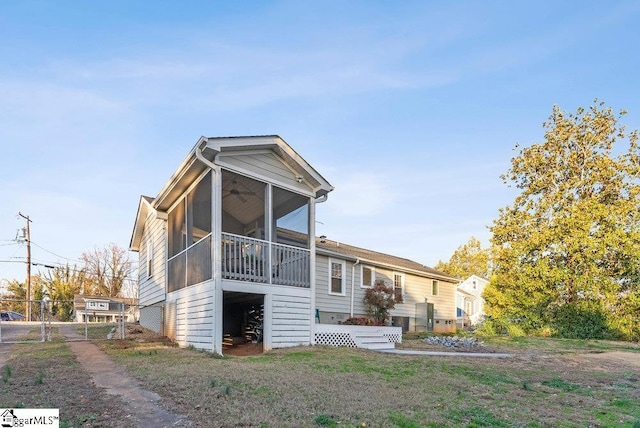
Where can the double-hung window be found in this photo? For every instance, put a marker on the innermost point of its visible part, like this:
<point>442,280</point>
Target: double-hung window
<point>337,277</point>
<point>434,287</point>
<point>149,258</point>
<point>367,276</point>
<point>398,285</point>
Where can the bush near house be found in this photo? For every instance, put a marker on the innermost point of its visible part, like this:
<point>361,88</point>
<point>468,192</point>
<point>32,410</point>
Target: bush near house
<point>362,321</point>
<point>379,300</point>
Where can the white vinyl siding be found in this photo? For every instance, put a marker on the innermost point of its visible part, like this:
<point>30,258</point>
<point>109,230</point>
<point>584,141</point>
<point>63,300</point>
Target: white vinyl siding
<point>290,320</point>
<point>263,166</point>
<point>194,316</point>
<point>337,281</point>
<point>417,288</point>
<point>367,276</point>
<point>152,287</point>
<point>327,302</point>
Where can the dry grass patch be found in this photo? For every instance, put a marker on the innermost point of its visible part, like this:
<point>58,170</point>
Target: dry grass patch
<point>46,375</point>
<point>325,386</point>
<point>551,383</point>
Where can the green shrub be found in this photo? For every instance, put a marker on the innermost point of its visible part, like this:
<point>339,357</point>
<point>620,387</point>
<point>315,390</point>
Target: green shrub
<point>362,321</point>
<point>514,330</point>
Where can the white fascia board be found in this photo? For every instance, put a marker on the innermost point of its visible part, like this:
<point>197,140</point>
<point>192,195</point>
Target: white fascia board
<point>222,145</point>
<point>136,236</point>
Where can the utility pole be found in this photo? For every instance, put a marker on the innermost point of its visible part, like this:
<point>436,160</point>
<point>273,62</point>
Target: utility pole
<point>28,241</point>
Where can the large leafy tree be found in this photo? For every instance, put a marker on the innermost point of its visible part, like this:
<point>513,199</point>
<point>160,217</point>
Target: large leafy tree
<point>62,283</point>
<point>468,259</point>
<point>566,253</point>
<point>16,293</point>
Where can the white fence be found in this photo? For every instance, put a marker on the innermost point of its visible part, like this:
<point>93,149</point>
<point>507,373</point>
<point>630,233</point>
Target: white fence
<point>354,336</point>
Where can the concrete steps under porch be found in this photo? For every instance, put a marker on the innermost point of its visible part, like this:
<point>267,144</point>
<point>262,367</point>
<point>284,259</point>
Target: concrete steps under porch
<point>373,340</point>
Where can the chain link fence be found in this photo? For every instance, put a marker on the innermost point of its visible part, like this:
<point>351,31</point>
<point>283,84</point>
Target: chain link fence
<point>80,319</point>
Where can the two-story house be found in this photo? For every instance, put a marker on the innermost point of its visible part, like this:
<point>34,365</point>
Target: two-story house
<point>227,250</point>
<point>232,230</point>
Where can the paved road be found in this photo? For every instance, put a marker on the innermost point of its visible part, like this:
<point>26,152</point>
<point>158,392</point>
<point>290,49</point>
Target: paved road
<point>13,331</point>
<point>446,354</point>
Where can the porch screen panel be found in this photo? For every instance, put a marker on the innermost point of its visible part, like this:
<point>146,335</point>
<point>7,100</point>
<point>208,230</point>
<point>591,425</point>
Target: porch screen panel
<point>199,262</point>
<point>199,211</point>
<point>176,274</point>
<point>291,216</point>
<point>177,230</point>
<point>243,205</point>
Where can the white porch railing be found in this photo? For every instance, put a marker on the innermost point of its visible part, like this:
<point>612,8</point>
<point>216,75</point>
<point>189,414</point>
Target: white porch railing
<point>256,260</point>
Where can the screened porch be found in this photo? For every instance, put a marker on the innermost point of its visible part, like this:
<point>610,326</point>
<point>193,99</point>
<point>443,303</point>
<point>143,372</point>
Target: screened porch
<point>264,234</point>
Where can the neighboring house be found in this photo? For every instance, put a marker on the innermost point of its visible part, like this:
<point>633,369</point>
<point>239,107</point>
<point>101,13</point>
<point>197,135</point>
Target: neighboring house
<point>469,301</point>
<point>344,272</point>
<point>230,234</point>
<point>103,309</point>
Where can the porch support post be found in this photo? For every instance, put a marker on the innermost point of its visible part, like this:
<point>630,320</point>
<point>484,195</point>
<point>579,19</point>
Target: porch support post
<point>270,234</point>
<point>312,270</point>
<point>216,258</point>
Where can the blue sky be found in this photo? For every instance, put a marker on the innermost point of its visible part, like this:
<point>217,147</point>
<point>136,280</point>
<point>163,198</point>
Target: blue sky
<point>410,109</point>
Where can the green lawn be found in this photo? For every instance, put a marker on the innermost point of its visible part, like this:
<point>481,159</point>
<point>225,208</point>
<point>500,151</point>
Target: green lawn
<point>560,383</point>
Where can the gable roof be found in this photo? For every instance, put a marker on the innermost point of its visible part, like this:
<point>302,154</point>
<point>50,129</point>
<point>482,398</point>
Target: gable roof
<point>335,248</point>
<point>210,147</point>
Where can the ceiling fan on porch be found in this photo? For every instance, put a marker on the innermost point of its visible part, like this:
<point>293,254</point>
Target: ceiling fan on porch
<point>235,191</point>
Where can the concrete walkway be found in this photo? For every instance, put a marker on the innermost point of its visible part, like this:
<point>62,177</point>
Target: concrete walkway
<point>447,354</point>
<point>141,406</point>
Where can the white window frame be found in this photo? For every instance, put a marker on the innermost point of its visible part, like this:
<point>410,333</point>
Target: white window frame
<point>435,285</point>
<point>402,280</point>
<point>343,264</point>
<point>97,305</point>
<point>373,276</point>
<point>149,258</point>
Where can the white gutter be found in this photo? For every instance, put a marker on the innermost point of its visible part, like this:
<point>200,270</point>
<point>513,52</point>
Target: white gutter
<point>322,198</point>
<point>353,282</point>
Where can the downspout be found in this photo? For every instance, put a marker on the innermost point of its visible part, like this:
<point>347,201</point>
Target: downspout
<point>216,237</point>
<point>322,198</point>
<point>312,268</point>
<point>353,284</point>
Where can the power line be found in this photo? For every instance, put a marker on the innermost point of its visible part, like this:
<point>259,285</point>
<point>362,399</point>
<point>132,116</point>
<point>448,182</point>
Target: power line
<point>51,252</point>
<point>56,265</point>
